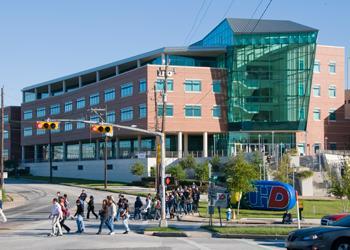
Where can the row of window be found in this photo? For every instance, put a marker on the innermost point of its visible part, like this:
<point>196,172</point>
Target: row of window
<point>332,91</point>
<point>331,114</point>
<point>331,67</point>
<point>127,114</point>
<point>125,90</point>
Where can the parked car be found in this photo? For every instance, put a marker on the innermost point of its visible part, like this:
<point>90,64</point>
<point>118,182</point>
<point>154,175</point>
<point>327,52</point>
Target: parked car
<point>330,219</point>
<point>334,237</point>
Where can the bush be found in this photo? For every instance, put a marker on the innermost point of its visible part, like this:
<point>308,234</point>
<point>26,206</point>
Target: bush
<point>216,163</point>
<point>138,169</point>
<point>202,172</point>
<point>304,174</point>
<point>188,163</point>
<point>177,172</point>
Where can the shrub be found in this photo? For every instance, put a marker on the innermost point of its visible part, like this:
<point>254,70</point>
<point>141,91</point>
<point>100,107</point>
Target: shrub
<point>188,163</point>
<point>138,169</point>
<point>216,163</point>
<point>177,172</point>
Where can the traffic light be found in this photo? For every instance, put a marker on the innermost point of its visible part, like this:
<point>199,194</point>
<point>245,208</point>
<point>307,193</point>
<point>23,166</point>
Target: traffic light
<point>47,125</point>
<point>102,128</point>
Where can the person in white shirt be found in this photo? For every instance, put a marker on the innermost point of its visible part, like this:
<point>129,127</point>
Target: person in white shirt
<point>2,215</point>
<point>56,215</point>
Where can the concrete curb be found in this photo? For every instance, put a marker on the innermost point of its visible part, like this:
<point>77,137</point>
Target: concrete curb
<point>249,236</point>
<point>165,234</point>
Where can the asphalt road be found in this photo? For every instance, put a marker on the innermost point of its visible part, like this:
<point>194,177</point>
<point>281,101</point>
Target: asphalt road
<point>28,226</point>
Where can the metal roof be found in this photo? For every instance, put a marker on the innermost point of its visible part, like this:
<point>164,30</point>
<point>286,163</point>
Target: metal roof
<point>145,56</point>
<point>248,26</point>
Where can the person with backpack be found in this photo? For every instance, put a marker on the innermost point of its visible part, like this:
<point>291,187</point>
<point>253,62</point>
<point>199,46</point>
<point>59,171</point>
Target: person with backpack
<point>65,215</point>
<point>91,208</point>
<point>2,215</point>
<point>79,215</point>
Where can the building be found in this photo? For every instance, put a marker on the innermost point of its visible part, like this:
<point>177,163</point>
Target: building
<point>244,86</point>
<point>326,124</point>
<point>12,134</point>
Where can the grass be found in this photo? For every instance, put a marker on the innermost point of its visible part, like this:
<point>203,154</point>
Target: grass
<point>313,209</point>
<point>162,229</point>
<point>251,230</point>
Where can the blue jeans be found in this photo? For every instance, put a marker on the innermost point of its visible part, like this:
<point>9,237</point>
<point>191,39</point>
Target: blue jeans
<point>117,217</point>
<point>110,223</point>
<point>80,224</point>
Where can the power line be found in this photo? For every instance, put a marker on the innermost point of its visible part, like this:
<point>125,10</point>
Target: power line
<point>252,15</point>
<point>195,21</point>
<point>267,6</point>
<point>201,20</point>
<point>228,9</point>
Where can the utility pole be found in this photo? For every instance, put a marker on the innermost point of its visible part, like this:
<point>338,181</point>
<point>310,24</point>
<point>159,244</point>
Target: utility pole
<point>2,141</point>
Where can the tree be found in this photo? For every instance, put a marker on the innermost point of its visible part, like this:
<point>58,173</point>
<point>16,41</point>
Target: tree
<point>177,172</point>
<point>257,161</point>
<point>216,163</point>
<point>202,172</point>
<point>188,163</point>
<point>340,185</point>
<point>284,171</point>
<point>138,169</point>
<point>240,176</point>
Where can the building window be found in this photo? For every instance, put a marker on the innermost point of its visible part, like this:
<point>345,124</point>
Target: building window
<point>193,86</point>
<point>81,125</point>
<point>6,118</point>
<point>126,114</point>
<point>193,111</point>
<point>88,150</point>
<point>216,111</point>
<point>94,99</point>
<point>332,91</point>
<point>332,146</point>
<point>332,115</point>
<point>316,90</point>
<point>68,106</point>
<point>160,85</point>
<point>40,131</point>
<point>80,167</point>
<point>216,86</point>
<point>55,109</point>
<point>5,154</point>
<point>109,166</point>
<point>301,64</point>
<point>302,114</point>
<point>301,91</point>
<point>317,114</point>
<point>168,112</point>
<point>109,95</point>
<point>110,117</point>
<point>73,151</point>
<point>95,118</point>
<point>142,111</point>
<point>28,114</point>
<point>126,90</point>
<point>27,131</point>
<point>332,68</point>
<point>6,134</point>
<point>40,112</point>
<point>317,67</point>
<point>81,103</point>
<point>142,86</point>
<point>68,126</point>
<point>317,147</point>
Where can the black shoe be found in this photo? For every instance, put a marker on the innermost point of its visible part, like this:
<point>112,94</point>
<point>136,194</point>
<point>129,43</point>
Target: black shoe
<point>126,232</point>
<point>98,233</point>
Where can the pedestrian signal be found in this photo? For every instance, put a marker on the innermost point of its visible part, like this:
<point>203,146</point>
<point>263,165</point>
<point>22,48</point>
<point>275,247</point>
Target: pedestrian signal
<point>169,180</point>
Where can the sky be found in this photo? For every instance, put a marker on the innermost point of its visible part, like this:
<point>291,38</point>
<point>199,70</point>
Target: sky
<point>41,40</point>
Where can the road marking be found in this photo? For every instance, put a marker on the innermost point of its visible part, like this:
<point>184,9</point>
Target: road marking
<point>254,243</point>
<point>193,243</point>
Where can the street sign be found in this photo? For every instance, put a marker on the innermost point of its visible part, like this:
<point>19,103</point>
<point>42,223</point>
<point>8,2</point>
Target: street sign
<point>221,200</point>
<point>219,195</point>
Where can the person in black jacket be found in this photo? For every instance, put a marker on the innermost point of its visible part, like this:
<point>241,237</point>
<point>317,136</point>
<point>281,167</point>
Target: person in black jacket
<point>79,215</point>
<point>138,205</point>
<point>91,208</point>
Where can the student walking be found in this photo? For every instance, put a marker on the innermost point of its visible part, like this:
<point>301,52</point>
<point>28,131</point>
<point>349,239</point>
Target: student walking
<point>111,213</point>
<point>91,208</point>
<point>56,215</point>
<point>103,216</point>
<point>79,217</point>
<point>125,216</point>
<point>138,205</point>
<point>65,215</point>
<point>2,215</point>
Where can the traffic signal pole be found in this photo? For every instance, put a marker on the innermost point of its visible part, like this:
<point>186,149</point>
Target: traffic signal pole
<point>105,162</point>
<point>50,155</point>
